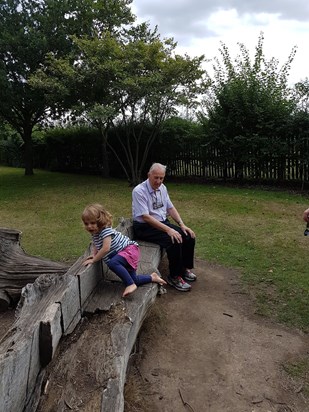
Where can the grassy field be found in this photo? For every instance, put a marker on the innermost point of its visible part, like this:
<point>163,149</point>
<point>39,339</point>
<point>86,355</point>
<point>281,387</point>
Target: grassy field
<point>259,232</point>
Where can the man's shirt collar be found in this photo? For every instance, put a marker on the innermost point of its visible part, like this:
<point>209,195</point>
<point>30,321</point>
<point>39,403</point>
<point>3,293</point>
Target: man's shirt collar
<point>149,187</point>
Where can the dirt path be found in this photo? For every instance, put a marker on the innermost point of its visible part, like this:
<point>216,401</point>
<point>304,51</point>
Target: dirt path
<point>208,352</point>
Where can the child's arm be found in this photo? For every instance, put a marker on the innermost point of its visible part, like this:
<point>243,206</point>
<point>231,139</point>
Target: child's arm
<point>94,250</point>
<point>99,254</point>
<point>104,249</point>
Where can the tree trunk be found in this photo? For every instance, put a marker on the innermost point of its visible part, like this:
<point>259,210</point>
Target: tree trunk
<point>239,172</point>
<point>17,269</point>
<point>105,160</point>
<point>28,151</point>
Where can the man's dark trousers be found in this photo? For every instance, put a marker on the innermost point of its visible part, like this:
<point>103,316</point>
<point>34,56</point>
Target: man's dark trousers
<point>180,255</point>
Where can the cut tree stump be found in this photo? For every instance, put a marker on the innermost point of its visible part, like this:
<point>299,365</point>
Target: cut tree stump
<point>17,268</point>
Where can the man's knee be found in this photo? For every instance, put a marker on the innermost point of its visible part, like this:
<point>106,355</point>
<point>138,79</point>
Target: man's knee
<point>189,240</point>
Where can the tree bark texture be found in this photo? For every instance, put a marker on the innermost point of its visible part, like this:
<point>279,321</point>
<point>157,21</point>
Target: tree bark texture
<point>17,268</point>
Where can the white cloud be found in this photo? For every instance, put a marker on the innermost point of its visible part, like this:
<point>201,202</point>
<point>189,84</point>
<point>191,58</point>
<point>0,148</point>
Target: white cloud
<point>199,26</point>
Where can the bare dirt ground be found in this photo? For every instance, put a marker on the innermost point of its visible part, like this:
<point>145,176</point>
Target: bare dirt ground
<point>207,351</point>
<point>202,351</point>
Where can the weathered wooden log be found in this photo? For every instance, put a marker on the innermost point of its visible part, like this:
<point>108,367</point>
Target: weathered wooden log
<point>4,301</point>
<point>50,308</point>
<point>17,268</point>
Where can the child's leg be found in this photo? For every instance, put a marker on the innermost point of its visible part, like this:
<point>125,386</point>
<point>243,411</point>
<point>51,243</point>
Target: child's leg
<point>129,289</point>
<point>157,279</point>
<point>118,265</point>
<point>143,279</point>
<point>139,279</point>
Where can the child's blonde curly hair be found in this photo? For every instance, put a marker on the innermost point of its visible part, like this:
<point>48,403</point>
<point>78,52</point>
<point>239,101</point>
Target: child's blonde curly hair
<point>96,213</point>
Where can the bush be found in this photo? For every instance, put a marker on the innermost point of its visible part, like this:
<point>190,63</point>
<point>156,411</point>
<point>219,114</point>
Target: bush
<point>10,147</point>
<point>73,149</point>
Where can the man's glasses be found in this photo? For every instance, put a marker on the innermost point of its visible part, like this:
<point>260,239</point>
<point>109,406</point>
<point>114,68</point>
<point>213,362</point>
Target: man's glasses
<point>157,199</point>
<point>306,232</point>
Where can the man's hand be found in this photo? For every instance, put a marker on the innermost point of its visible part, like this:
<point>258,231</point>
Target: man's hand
<point>187,231</point>
<point>175,236</point>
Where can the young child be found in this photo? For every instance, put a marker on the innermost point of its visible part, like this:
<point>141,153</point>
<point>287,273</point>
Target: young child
<point>120,253</point>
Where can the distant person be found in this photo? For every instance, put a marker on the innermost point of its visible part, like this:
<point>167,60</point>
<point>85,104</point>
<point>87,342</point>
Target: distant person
<point>151,208</point>
<point>306,219</point>
<point>306,215</point>
<point>120,253</point>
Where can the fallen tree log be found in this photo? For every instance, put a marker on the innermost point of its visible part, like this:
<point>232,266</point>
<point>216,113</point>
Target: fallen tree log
<point>50,309</point>
<point>17,268</point>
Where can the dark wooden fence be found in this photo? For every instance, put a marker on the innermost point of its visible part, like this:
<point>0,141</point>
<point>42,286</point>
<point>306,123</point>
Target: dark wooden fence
<point>284,162</point>
<point>207,161</point>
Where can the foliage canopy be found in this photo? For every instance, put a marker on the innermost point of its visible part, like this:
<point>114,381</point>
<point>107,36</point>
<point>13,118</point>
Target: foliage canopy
<point>29,31</point>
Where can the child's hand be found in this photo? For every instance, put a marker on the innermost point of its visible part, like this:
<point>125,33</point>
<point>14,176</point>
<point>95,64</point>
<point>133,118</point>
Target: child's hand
<point>88,261</point>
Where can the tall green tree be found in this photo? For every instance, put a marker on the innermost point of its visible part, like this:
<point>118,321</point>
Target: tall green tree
<point>301,95</point>
<point>300,127</point>
<point>248,105</point>
<point>131,82</point>
<point>84,79</point>
<point>31,30</point>
<point>153,85</point>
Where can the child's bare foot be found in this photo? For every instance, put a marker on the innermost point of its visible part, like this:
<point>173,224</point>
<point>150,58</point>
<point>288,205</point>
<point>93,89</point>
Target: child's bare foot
<point>157,279</point>
<point>129,289</point>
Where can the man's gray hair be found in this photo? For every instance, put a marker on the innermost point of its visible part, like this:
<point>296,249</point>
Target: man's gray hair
<point>156,166</point>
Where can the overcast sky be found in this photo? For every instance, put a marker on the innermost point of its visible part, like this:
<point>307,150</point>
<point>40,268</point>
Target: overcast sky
<point>198,26</point>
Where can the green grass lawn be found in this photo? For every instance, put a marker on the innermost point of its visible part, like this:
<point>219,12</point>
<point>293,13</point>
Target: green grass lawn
<point>259,232</point>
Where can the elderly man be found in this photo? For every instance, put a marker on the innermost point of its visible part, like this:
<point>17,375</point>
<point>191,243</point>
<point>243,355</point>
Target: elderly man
<point>151,207</point>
